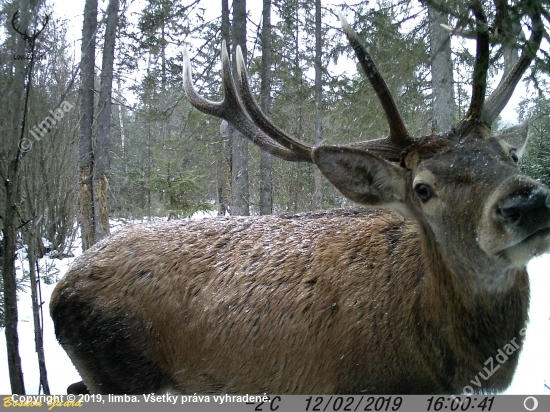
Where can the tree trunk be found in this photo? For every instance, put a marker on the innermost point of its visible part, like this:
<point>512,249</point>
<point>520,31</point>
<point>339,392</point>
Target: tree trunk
<point>223,168</point>
<point>240,190</point>
<point>103,140</point>
<point>121,125</point>
<point>296,181</point>
<point>223,162</point>
<point>318,191</point>
<point>19,97</point>
<point>266,195</point>
<point>11,317</point>
<point>443,104</point>
<point>148,169</point>
<point>36,309</point>
<point>85,145</point>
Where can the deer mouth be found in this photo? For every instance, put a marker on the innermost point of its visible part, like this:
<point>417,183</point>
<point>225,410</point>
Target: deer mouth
<point>533,245</point>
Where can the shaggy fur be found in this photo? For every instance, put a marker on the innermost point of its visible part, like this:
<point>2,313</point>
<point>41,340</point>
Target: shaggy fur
<point>336,302</point>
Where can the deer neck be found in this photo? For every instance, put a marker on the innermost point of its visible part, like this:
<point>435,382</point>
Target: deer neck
<point>467,320</point>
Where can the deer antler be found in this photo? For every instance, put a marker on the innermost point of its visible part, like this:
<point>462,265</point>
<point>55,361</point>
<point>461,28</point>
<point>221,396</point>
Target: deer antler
<point>260,119</point>
<point>265,134</point>
<point>501,95</point>
<point>28,39</point>
<point>242,111</point>
<point>46,20</point>
<point>399,138</point>
<point>479,83</point>
<point>13,21</point>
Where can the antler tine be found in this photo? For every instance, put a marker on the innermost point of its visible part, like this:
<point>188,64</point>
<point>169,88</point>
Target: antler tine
<point>13,20</point>
<point>479,83</point>
<point>46,20</point>
<point>260,119</point>
<point>232,110</point>
<point>501,95</point>
<point>399,136</point>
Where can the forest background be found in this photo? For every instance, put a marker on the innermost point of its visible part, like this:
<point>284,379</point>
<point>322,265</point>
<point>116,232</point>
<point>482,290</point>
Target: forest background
<point>126,145</point>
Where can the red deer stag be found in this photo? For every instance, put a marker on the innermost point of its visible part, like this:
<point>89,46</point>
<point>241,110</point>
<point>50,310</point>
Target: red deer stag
<point>413,296</point>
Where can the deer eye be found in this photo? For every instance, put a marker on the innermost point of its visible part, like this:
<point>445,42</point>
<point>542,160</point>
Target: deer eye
<point>424,191</point>
<point>514,155</point>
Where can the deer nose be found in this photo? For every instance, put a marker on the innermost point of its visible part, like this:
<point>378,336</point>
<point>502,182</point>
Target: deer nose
<point>528,207</point>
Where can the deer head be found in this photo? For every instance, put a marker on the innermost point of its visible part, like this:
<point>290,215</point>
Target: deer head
<point>463,186</point>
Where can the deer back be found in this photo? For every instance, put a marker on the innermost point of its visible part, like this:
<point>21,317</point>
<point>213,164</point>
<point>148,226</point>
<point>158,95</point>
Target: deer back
<point>325,303</point>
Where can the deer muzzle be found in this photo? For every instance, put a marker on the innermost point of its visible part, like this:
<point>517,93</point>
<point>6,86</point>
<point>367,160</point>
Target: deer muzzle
<point>525,208</point>
<point>516,222</point>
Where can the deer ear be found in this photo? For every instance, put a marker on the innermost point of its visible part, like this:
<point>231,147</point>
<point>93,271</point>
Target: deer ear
<point>362,177</point>
<point>516,136</point>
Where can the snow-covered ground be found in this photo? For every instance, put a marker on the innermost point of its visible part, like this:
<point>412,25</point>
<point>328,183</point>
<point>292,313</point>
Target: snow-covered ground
<point>531,376</point>
<point>61,372</point>
<point>533,372</point>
